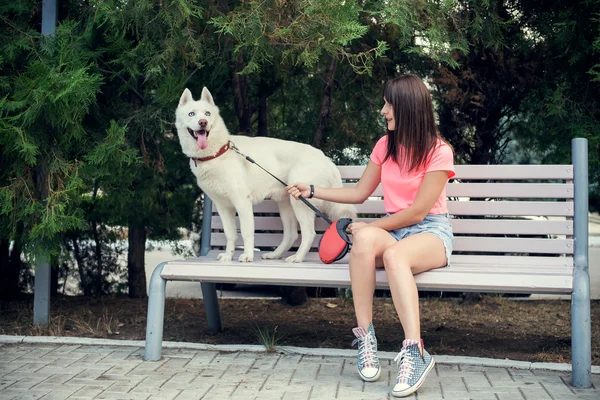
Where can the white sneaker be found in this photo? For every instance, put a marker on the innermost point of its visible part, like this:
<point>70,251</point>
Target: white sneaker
<point>368,363</point>
<point>415,363</point>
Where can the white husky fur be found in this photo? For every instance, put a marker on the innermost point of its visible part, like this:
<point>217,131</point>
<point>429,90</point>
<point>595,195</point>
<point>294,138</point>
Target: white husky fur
<point>235,184</point>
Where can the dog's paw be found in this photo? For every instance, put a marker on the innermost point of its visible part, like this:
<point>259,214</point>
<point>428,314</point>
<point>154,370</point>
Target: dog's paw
<point>295,258</point>
<point>246,257</point>
<point>225,257</point>
<point>271,256</point>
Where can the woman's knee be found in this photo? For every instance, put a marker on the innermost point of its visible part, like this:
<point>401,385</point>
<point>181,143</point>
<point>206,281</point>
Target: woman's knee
<point>363,241</point>
<point>393,260</point>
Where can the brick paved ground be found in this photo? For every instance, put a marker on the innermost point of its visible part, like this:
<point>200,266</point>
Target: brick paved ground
<point>71,371</point>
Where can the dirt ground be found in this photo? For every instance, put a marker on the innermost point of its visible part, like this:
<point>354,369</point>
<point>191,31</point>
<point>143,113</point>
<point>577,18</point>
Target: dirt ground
<point>493,326</point>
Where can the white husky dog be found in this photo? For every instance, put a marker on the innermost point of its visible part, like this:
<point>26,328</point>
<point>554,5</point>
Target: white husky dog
<point>235,184</point>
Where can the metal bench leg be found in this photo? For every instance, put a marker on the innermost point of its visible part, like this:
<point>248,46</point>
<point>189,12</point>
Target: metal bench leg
<point>211,304</point>
<point>209,290</point>
<point>581,335</point>
<point>156,315</point>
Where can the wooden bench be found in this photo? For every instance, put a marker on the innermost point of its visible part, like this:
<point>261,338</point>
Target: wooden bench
<point>518,229</point>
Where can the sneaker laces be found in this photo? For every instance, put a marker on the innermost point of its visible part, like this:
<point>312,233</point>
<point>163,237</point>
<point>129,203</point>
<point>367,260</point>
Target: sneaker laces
<point>405,361</point>
<point>366,350</point>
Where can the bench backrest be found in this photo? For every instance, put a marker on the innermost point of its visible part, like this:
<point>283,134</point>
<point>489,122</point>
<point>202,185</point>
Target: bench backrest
<point>495,210</point>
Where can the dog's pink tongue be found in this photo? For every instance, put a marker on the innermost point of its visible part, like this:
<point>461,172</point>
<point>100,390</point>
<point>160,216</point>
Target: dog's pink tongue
<point>202,142</point>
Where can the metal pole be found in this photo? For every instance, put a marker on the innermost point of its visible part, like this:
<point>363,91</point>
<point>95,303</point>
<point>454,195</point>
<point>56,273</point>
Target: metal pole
<point>581,336</point>
<point>206,226</point>
<point>209,290</point>
<point>49,17</point>
<point>41,294</point>
<point>156,315</point>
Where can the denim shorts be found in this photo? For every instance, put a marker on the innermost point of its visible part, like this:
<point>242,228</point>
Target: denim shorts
<point>436,224</point>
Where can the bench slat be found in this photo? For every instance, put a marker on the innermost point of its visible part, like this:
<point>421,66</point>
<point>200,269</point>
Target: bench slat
<point>512,190</point>
<point>479,261</point>
<point>502,190</point>
<point>457,277</point>
<point>490,172</point>
<point>520,261</point>
<point>497,208</point>
<point>471,244</point>
<point>459,226</point>
<point>511,208</point>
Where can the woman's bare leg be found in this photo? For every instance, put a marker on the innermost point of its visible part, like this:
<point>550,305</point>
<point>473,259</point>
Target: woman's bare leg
<point>368,245</point>
<point>410,256</point>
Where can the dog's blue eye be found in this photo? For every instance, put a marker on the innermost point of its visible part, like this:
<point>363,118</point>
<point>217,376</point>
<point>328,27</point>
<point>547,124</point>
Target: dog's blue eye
<point>207,113</point>
<point>191,114</point>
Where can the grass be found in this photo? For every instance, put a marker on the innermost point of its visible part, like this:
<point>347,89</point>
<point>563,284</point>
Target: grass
<point>267,337</point>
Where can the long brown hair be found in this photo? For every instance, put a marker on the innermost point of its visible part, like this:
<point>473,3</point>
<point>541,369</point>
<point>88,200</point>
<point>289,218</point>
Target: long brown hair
<point>415,128</point>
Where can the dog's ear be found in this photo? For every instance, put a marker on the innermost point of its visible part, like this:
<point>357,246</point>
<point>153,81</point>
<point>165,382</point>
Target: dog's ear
<point>206,96</point>
<point>186,97</point>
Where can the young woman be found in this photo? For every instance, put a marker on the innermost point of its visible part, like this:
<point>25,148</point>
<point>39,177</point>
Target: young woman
<point>413,164</point>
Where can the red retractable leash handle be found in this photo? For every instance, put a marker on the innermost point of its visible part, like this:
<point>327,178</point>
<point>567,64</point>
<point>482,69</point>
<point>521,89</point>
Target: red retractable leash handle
<point>335,243</point>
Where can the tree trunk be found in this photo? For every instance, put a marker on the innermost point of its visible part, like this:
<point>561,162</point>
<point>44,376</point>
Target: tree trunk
<point>486,141</point>
<point>223,6</point>
<point>263,116</point>
<point>14,272</point>
<point>9,270</point>
<point>136,260</point>
<point>86,285</point>
<point>54,265</point>
<point>270,81</point>
<point>240,95</point>
<point>4,266</point>
<point>4,259</point>
<point>83,277</point>
<point>293,295</point>
<point>97,275</point>
<point>318,139</point>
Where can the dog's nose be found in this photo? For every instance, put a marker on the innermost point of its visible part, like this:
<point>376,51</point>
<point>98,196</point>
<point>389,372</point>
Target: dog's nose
<point>203,123</point>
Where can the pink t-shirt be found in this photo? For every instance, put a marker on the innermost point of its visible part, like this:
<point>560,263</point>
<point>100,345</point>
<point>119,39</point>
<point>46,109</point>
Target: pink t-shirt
<point>400,187</point>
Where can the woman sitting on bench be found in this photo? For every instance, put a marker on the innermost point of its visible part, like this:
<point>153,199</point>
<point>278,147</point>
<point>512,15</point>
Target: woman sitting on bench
<point>413,163</point>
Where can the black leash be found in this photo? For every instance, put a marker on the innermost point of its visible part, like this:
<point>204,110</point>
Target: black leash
<point>316,210</point>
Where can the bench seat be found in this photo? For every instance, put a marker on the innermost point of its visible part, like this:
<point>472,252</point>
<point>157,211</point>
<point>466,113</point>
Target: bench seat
<point>514,274</point>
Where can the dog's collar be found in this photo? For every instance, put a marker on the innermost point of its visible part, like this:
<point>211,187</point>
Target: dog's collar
<point>222,150</point>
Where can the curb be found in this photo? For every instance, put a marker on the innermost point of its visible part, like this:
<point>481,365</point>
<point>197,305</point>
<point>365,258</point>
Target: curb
<point>439,359</point>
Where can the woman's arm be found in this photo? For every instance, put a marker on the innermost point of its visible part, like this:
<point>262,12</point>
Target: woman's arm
<point>429,191</point>
<point>366,185</point>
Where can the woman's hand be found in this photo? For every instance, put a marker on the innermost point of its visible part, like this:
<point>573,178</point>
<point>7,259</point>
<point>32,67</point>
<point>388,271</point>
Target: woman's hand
<point>298,189</point>
<point>356,226</point>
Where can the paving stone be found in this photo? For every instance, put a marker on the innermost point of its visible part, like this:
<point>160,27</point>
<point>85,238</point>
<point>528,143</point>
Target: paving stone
<point>77,372</point>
